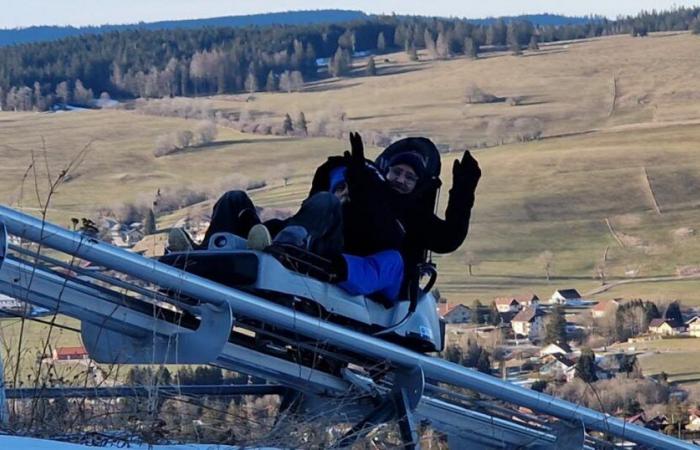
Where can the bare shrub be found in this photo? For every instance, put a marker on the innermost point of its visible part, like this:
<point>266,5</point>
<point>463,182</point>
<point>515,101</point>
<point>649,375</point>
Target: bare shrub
<point>281,171</point>
<point>184,138</point>
<point>514,101</point>
<point>234,182</point>
<point>473,94</point>
<point>172,199</point>
<point>338,113</point>
<point>318,126</point>
<point>130,212</point>
<point>205,132</point>
<point>165,145</point>
<point>256,184</point>
<point>611,395</point>
<point>275,213</point>
<point>377,138</point>
<point>187,108</point>
<point>264,128</point>
<point>527,128</point>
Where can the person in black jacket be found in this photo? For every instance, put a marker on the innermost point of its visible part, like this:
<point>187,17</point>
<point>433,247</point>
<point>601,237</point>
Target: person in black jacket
<point>345,219</point>
<point>413,200</point>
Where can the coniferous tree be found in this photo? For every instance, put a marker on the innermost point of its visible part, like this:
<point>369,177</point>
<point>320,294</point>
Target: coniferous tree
<point>285,82</point>
<point>296,79</point>
<point>586,367</point>
<point>149,222</point>
<point>411,51</point>
<point>251,83</point>
<point>340,63</point>
<point>429,43</point>
<point>476,312</point>
<point>695,26</point>
<point>63,92</point>
<point>442,46</point>
<point>300,124</point>
<point>495,315</point>
<point>470,48</point>
<point>271,83</point>
<point>533,45</point>
<point>512,38</point>
<point>381,43</point>
<point>287,127</point>
<point>555,330</point>
<point>371,69</point>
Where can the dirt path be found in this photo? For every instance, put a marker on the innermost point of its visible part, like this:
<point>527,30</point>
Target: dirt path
<point>609,286</point>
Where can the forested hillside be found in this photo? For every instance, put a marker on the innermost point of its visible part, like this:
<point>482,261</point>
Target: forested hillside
<point>50,33</point>
<point>185,62</point>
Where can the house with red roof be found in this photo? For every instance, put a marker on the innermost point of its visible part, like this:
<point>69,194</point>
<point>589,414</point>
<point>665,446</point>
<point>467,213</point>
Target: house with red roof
<point>70,353</point>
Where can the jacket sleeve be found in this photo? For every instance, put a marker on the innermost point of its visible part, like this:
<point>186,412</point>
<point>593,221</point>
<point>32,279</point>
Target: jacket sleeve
<point>447,235</point>
<point>370,199</point>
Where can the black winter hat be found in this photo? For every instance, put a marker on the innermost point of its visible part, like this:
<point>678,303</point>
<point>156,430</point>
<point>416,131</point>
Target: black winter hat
<point>411,159</point>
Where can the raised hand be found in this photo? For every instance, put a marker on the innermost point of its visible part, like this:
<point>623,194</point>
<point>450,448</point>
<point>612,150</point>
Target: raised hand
<point>466,173</point>
<point>357,148</point>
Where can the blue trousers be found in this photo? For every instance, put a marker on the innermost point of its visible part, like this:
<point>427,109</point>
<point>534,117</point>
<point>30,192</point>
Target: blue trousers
<point>378,273</point>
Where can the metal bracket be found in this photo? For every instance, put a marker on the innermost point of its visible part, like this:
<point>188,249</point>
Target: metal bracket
<point>399,404</point>
<point>201,346</point>
<point>570,435</point>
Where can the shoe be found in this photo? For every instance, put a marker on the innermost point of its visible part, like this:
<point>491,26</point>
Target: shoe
<point>259,237</point>
<point>179,241</point>
<point>294,235</point>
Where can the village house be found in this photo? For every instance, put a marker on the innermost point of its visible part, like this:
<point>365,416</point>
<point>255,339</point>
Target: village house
<point>558,368</point>
<point>693,420</point>
<point>665,327</point>
<point>565,297</point>
<point>454,313</point>
<point>70,353</point>
<point>507,304</point>
<point>529,322</point>
<point>560,348</point>
<point>513,304</point>
<point>603,308</point>
<point>694,326</point>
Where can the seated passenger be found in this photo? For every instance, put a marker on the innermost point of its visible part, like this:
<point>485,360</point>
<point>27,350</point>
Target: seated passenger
<point>336,222</point>
<point>413,198</point>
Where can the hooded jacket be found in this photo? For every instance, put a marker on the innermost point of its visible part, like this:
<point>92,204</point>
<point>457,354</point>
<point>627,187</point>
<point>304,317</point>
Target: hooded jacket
<point>425,231</point>
<point>369,223</point>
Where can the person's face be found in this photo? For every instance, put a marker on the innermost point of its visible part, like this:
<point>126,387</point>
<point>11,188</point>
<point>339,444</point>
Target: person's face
<point>342,192</point>
<point>402,178</point>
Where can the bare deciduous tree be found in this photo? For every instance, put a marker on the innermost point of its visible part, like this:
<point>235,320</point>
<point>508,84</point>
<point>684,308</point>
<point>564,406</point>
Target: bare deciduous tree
<point>470,259</point>
<point>205,132</point>
<point>546,259</point>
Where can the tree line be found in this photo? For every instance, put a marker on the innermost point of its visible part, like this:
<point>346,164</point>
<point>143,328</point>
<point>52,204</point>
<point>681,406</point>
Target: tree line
<point>205,61</point>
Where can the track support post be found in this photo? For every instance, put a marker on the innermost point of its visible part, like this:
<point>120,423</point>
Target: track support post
<point>399,404</point>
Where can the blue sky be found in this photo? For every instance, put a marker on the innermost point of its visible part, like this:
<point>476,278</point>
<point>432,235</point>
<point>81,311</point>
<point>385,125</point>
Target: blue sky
<point>23,13</point>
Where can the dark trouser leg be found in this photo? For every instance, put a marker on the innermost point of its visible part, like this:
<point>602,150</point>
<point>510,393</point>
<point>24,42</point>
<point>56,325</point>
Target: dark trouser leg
<point>322,216</point>
<point>234,212</point>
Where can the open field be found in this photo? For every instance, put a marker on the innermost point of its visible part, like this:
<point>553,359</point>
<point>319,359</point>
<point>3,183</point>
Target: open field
<point>610,161</point>
<point>676,357</point>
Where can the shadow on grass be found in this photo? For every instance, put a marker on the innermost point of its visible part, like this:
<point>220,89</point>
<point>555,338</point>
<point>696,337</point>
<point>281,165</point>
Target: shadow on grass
<point>386,71</point>
<point>219,144</point>
<point>543,52</point>
<point>377,116</point>
<point>333,85</point>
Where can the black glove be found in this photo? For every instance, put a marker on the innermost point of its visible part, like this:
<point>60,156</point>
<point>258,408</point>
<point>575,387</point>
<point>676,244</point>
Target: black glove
<point>355,159</point>
<point>466,173</point>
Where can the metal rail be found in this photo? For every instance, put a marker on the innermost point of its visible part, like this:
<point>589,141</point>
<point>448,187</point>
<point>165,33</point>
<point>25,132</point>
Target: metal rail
<point>50,290</point>
<point>147,391</point>
<point>245,304</point>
